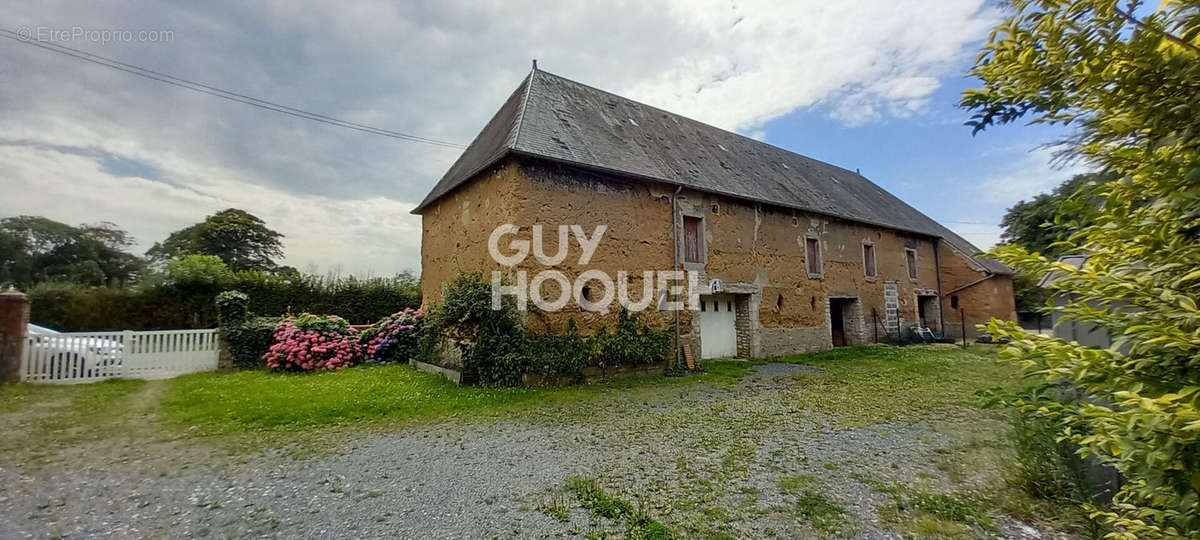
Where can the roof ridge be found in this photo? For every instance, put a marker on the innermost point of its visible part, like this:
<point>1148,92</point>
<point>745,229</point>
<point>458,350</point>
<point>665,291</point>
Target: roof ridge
<point>516,139</point>
<point>689,119</point>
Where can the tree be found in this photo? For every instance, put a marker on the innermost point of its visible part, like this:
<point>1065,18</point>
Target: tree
<point>239,238</point>
<point>199,271</point>
<point>1039,225</point>
<point>35,249</point>
<point>1130,87</point>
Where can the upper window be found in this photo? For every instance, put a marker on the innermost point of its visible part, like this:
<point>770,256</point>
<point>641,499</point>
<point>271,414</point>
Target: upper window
<point>692,239</point>
<point>911,257</point>
<point>812,256</point>
<point>869,260</point>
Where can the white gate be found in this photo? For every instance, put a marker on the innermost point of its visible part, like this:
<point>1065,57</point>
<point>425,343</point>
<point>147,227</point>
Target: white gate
<point>78,357</point>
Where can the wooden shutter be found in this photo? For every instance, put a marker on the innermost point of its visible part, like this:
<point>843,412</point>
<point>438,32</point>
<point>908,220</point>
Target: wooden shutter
<point>869,260</point>
<point>812,255</point>
<point>912,263</point>
<point>691,239</point>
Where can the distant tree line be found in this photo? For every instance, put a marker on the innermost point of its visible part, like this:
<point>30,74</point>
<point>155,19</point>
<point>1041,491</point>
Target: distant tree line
<point>84,278</point>
<point>35,249</point>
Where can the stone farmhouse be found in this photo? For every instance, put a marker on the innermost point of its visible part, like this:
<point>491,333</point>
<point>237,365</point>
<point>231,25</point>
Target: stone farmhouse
<point>808,255</point>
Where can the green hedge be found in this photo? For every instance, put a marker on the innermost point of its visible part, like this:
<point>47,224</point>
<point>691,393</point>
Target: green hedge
<point>71,307</point>
<point>247,336</point>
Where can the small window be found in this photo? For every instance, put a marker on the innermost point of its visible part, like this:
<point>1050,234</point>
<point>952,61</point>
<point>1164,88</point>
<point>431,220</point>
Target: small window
<point>728,305</point>
<point>716,208</point>
<point>812,256</point>
<point>869,260</point>
<point>911,256</point>
<point>703,306</point>
<point>954,302</point>
<point>692,239</point>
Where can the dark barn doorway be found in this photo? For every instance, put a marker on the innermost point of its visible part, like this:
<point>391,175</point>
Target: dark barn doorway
<point>837,320</point>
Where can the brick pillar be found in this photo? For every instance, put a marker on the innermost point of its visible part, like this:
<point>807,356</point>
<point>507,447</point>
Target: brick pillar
<point>14,327</point>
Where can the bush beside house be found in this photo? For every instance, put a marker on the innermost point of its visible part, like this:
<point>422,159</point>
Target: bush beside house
<point>493,348</point>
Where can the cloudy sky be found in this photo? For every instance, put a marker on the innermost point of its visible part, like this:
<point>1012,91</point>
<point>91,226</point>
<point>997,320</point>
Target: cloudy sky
<point>868,85</point>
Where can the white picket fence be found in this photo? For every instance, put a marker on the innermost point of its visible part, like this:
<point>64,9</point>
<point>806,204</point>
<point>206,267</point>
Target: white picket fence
<point>80,357</point>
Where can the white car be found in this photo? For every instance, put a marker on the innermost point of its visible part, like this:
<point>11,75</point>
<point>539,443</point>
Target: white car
<point>67,355</point>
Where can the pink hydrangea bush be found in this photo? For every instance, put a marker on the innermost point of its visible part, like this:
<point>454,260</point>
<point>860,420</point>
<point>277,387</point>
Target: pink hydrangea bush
<point>394,339</point>
<point>312,342</point>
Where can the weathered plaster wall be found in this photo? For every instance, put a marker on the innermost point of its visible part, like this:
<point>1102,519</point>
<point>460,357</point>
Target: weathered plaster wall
<point>757,251</point>
<point>764,245</point>
<point>455,229</point>
<point>637,238</point>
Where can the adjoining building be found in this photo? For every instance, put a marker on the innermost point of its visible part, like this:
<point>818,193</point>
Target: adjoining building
<point>808,255</point>
<point>1084,333</point>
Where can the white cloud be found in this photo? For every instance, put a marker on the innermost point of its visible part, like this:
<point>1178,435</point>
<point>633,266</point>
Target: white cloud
<point>1028,175</point>
<point>438,70</point>
<point>318,230</point>
<point>1037,172</point>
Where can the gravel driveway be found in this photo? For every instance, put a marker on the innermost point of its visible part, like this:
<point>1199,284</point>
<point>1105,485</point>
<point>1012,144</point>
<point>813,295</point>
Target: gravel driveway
<point>691,453</point>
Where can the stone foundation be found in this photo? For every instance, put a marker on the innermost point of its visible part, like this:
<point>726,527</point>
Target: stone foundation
<point>785,341</point>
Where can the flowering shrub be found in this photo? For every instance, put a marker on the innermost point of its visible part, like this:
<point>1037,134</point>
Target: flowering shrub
<point>311,342</point>
<point>393,338</point>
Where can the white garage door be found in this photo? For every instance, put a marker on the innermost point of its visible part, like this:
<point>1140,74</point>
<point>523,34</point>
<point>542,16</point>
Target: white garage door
<point>718,337</point>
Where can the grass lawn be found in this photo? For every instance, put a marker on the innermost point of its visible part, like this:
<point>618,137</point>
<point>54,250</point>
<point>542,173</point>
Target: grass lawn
<point>855,385</point>
<point>859,385</point>
<point>863,385</point>
<point>250,400</point>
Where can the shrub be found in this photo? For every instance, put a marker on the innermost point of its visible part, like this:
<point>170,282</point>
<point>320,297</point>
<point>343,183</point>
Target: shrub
<point>490,342</point>
<point>233,307</point>
<point>250,340</point>
<point>394,339</point>
<point>247,336</point>
<point>310,342</point>
<point>1047,468</point>
<point>627,346</point>
<point>558,354</point>
<point>496,350</point>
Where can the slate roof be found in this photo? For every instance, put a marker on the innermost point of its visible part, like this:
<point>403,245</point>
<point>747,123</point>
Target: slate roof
<point>554,118</point>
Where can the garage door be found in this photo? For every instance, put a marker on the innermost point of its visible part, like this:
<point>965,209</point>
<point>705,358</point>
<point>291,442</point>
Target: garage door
<point>718,337</point>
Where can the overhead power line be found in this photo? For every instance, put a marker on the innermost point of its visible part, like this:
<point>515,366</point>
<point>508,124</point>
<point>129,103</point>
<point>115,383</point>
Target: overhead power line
<point>221,93</point>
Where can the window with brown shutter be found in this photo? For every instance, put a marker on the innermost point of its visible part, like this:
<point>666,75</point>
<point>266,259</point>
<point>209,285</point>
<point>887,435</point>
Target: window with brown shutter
<point>869,260</point>
<point>911,255</point>
<point>812,256</point>
<point>691,239</point>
